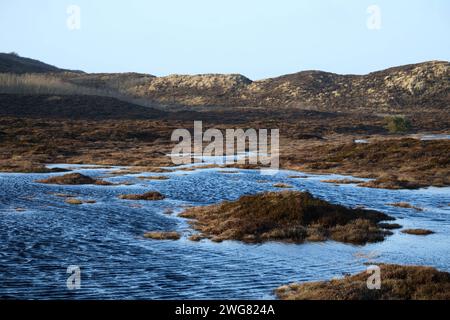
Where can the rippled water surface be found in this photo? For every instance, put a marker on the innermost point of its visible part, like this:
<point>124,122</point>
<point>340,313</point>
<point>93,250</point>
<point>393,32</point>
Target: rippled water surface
<point>41,235</point>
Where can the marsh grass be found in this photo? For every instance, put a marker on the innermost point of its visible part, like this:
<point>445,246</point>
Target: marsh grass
<point>343,181</point>
<point>393,163</point>
<point>151,195</point>
<point>153,178</point>
<point>73,201</point>
<point>79,201</point>
<point>162,235</point>
<point>389,226</point>
<point>73,179</point>
<point>418,232</point>
<point>405,205</point>
<point>282,185</point>
<point>289,216</point>
<point>397,283</point>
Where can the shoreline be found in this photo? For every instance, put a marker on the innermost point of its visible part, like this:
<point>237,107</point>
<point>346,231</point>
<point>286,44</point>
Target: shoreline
<point>347,176</point>
<point>150,235</point>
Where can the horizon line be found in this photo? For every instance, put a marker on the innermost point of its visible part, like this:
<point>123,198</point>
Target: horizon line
<point>231,74</point>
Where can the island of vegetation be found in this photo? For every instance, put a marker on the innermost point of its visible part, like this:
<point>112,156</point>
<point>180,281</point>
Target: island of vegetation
<point>162,235</point>
<point>418,232</point>
<point>289,216</point>
<point>73,179</point>
<point>151,195</point>
<point>398,283</point>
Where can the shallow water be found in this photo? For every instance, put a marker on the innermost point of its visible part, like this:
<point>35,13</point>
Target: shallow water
<point>435,137</point>
<point>105,239</point>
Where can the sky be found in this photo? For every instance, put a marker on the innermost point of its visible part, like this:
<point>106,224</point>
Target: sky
<point>256,38</point>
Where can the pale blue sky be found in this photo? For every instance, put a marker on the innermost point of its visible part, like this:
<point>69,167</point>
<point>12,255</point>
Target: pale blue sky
<point>257,38</point>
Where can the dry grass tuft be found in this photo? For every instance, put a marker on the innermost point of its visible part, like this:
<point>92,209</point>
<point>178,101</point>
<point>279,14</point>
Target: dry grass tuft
<point>405,205</point>
<point>282,185</point>
<point>161,235</point>
<point>195,237</point>
<point>394,163</point>
<point>63,195</point>
<point>78,201</point>
<point>391,183</point>
<point>73,201</point>
<point>73,179</point>
<point>343,181</point>
<point>397,283</point>
<point>153,178</point>
<point>151,195</point>
<point>418,232</point>
<point>389,226</point>
<point>290,216</point>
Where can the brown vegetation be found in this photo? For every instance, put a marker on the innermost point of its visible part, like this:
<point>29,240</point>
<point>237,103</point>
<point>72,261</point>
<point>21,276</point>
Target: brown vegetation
<point>62,195</point>
<point>286,216</point>
<point>403,163</point>
<point>73,178</point>
<point>389,226</point>
<point>31,137</point>
<point>405,205</point>
<point>342,181</point>
<point>78,201</point>
<point>73,201</point>
<point>28,144</point>
<point>195,237</point>
<point>418,232</point>
<point>162,235</point>
<point>154,178</point>
<point>151,195</point>
<point>392,182</point>
<point>397,283</point>
<point>282,185</point>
